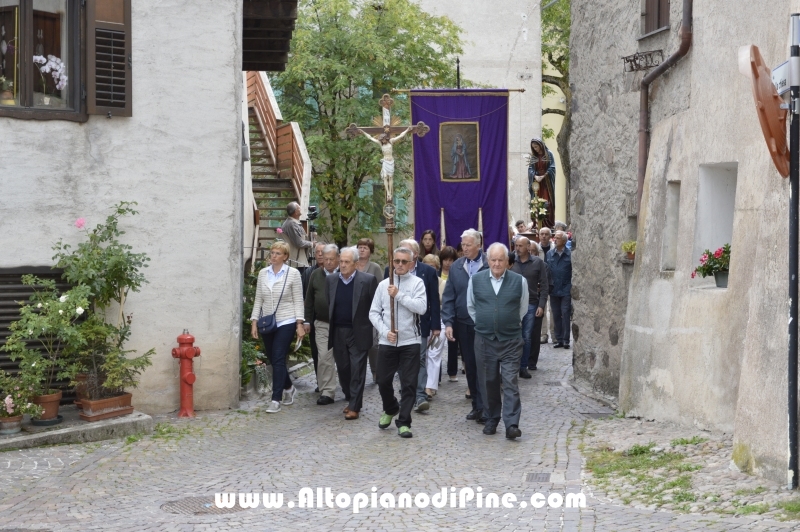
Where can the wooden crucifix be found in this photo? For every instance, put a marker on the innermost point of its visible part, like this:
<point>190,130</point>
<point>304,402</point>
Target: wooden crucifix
<point>381,134</point>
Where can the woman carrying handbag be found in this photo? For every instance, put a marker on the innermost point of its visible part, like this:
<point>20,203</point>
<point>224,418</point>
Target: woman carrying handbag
<point>277,316</point>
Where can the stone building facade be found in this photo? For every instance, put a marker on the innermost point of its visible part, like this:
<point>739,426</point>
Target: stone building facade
<point>675,347</point>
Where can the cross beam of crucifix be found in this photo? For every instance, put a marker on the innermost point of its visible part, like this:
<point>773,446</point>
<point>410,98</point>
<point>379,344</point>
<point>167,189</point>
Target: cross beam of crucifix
<point>381,134</point>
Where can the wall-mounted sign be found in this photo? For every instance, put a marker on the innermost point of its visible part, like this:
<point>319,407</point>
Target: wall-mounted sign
<point>780,77</point>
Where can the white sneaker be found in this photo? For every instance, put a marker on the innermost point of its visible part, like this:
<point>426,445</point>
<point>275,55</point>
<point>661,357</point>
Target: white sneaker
<point>288,395</point>
<point>273,407</point>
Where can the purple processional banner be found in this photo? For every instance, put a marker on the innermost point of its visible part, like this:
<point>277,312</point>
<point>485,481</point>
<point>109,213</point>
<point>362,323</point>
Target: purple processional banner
<point>461,166</point>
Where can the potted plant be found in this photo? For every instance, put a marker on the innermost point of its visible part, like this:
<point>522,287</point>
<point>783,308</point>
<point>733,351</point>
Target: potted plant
<point>629,247</point>
<point>716,264</point>
<point>539,208</point>
<point>44,333</point>
<point>109,270</point>
<point>6,93</point>
<point>56,68</point>
<point>17,403</point>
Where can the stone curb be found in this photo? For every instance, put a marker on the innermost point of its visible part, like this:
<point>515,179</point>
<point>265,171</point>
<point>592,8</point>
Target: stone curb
<point>107,429</point>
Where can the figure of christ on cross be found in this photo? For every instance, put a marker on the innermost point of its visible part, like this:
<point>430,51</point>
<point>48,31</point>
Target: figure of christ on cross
<point>386,142</point>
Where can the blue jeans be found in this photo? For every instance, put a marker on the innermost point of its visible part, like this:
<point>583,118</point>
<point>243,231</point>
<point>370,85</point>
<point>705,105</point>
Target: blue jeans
<point>276,347</point>
<point>527,334</point>
<point>561,306</point>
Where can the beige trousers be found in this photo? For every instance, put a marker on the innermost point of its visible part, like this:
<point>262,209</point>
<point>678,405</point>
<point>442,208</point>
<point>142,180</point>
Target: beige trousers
<point>326,367</point>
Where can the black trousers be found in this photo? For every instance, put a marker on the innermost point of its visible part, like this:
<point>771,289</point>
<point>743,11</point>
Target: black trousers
<point>351,365</point>
<point>452,358</point>
<point>405,361</point>
<point>465,335</point>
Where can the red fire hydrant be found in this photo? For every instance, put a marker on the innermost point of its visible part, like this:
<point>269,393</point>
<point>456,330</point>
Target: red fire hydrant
<point>186,353</point>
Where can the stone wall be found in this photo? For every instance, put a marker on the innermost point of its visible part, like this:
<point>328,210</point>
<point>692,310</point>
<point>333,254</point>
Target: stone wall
<point>679,348</point>
<point>179,157</point>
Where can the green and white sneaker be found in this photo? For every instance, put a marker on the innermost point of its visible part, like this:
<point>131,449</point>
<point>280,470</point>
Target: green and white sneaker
<point>404,432</point>
<point>385,420</point>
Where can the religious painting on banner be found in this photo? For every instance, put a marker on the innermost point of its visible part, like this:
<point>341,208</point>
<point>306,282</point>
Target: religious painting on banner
<point>461,166</point>
<point>460,156</point>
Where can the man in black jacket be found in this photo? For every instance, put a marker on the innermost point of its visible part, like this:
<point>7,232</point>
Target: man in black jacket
<point>534,270</point>
<point>349,299</point>
<point>458,324</point>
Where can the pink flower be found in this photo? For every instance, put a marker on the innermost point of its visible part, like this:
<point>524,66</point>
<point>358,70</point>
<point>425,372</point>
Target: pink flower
<point>704,258</point>
<point>9,404</point>
<point>694,274</point>
<point>80,223</point>
<point>718,253</point>
<point>279,231</point>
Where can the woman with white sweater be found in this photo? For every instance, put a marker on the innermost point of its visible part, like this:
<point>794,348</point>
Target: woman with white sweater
<point>280,292</point>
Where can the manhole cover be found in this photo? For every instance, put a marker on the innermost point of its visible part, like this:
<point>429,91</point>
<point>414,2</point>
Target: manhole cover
<point>197,506</point>
<point>537,477</point>
<point>552,383</point>
<point>597,415</point>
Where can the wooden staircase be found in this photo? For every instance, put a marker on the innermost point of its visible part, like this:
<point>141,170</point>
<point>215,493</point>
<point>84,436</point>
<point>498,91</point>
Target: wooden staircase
<point>279,164</point>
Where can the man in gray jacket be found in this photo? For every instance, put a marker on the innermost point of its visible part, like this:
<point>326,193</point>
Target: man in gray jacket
<point>398,350</point>
<point>295,236</point>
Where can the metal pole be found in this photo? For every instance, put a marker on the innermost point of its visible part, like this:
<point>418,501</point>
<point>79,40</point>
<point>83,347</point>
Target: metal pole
<point>458,72</point>
<point>794,236</point>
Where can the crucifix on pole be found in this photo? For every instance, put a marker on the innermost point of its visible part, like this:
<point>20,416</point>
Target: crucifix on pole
<point>381,134</point>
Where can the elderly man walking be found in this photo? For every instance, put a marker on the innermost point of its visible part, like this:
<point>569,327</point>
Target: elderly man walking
<point>459,325</point>
<point>559,262</point>
<point>497,300</point>
<point>350,297</point>
<point>398,351</point>
<point>317,319</point>
<point>534,270</point>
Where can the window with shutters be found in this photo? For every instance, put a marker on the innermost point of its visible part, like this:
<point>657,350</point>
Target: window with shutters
<point>65,59</point>
<point>655,16</point>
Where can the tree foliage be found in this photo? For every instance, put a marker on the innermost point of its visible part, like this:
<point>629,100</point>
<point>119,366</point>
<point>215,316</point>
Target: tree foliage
<point>345,55</point>
<point>556,23</point>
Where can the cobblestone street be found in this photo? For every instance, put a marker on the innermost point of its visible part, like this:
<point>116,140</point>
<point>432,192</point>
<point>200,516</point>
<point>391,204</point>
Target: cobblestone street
<point>123,485</point>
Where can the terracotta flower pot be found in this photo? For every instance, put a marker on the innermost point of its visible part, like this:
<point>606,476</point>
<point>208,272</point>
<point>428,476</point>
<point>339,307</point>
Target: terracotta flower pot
<point>80,389</point>
<point>97,409</point>
<point>631,255</point>
<point>50,404</point>
<point>10,425</point>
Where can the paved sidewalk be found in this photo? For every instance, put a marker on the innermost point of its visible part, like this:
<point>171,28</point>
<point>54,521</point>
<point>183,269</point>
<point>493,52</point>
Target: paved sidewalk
<point>123,485</point>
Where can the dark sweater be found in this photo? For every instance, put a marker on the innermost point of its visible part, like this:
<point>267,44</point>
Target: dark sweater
<point>343,306</point>
<point>534,271</point>
<point>316,303</point>
<point>497,315</point>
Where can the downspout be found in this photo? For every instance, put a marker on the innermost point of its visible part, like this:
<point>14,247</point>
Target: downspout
<point>644,99</point>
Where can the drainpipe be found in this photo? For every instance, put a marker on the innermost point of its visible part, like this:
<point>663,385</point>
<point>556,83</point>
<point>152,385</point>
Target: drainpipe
<point>644,102</point>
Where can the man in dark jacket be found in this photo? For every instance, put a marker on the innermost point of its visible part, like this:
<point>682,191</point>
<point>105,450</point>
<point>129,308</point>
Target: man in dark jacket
<point>534,270</point>
<point>349,299</point>
<point>317,320</point>
<point>306,278</point>
<point>457,321</point>
<point>559,262</point>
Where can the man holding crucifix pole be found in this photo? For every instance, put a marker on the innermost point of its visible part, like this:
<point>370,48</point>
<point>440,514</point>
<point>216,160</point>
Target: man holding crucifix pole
<point>409,304</point>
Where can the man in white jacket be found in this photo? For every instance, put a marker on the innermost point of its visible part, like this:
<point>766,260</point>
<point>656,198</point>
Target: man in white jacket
<point>398,351</point>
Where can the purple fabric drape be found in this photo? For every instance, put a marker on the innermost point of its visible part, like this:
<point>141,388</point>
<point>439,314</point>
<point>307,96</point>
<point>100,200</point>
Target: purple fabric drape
<point>434,188</point>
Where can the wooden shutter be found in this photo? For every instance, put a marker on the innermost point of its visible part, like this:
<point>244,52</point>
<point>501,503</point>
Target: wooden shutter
<point>650,16</point>
<point>108,57</point>
<point>663,13</point>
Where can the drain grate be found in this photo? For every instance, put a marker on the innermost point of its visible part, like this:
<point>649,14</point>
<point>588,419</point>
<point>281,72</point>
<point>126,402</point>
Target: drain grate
<point>197,506</point>
<point>537,477</point>
<point>552,383</point>
<point>597,415</point>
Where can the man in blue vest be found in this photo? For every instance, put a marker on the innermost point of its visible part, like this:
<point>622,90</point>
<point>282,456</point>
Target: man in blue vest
<point>559,262</point>
<point>497,300</point>
<point>455,315</point>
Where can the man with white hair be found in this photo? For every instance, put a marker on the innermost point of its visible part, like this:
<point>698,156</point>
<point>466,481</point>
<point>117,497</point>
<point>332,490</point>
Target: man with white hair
<point>398,350</point>
<point>429,321</point>
<point>497,301</point>
<point>349,299</point>
<point>459,325</point>
<point>559,262</point>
